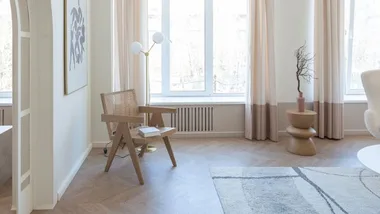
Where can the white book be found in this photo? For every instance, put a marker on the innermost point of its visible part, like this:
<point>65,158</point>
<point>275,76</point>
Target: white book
<point>149,132</point>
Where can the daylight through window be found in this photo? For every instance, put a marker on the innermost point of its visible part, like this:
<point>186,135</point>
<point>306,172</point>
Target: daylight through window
<point>363,41</point>
<point>5,48</point>
<point>208,52</point>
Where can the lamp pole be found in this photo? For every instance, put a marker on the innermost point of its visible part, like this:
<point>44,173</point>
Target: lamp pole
<point>136,47</point>
<point>147,89</point>
<point>147,86</point>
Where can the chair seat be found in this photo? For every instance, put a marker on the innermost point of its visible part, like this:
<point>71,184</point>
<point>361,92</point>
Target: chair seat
<point>139,140</point>
<point>164,131</point>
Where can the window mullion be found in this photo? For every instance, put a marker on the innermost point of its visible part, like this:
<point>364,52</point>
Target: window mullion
<point>350,46</point>
<point>208,46</point>
<point>165,56</point>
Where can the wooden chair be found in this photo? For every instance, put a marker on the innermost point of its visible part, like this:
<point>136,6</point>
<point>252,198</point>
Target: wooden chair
<point>123,117</point>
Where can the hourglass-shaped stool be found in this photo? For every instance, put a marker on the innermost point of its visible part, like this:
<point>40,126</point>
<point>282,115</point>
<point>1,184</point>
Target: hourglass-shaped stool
<point>301,131</point>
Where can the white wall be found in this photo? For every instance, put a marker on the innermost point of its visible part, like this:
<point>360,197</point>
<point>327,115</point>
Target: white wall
<point>70,114</point>
<point>293,27</point>
<point>42,103</point>
<point>101,58</point>
<point>60,130</point>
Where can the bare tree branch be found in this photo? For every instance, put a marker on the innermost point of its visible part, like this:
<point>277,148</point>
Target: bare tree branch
<point>304,62</point>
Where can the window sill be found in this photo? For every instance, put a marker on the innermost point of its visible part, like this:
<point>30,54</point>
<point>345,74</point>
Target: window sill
<point>5,102</point>
<point>355,99</point>
<point>197,100</point>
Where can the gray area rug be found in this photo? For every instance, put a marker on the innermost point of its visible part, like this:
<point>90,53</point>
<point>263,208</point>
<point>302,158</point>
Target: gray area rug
<point>308,190</point>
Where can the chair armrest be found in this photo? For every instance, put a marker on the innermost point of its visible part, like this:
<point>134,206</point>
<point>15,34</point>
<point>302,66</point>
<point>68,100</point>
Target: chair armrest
<point>152,109</point>
<point>121,119</point>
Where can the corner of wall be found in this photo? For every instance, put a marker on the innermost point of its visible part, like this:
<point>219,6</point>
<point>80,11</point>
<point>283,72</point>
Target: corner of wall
<point>101,63</point>
<point>42,103</point>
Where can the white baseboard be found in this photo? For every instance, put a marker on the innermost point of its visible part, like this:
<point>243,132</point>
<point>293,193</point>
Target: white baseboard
<point>357,132</point>
<point>179,135</point>
<point>40,207</point>
<point>208,134</point>
<point>348,132</point>
<point>44,207</point>
<point>100,144</point>
<point>237,134</point>
<point>73,172</point>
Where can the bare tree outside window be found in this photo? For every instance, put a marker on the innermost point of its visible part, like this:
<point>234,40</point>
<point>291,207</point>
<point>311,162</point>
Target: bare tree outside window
<point>208,50</point>
<point>155,60</point>
<point>230,46</point>
<point>187,72</point>
<point>5,46</point>
<point>363,32</point>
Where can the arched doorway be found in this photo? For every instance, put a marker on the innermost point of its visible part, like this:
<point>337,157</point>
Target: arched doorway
<point>22,176</point>
<point>33,184</point>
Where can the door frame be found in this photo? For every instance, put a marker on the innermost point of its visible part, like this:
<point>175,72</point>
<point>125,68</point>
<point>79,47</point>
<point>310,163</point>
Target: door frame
<point>22,176</point>
<point>41,116</point>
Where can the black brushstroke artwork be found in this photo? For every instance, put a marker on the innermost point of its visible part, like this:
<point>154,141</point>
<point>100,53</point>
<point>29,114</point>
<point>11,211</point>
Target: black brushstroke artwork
<point>78,36</point>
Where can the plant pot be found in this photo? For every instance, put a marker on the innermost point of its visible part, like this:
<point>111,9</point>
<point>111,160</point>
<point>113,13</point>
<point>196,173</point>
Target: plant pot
<point>301,102</point>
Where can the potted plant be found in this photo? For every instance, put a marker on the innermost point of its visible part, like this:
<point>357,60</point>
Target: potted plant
<point>304,71</point>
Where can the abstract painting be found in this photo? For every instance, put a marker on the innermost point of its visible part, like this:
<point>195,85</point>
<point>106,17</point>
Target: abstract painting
<point>76,75</point>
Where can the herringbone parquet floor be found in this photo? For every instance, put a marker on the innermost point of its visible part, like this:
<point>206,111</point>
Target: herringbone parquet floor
<point>187,188</point>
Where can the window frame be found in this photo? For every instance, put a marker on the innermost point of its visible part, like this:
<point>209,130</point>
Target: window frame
<point>350,41</point>
<point>208,56</point>
<point>5,94</point>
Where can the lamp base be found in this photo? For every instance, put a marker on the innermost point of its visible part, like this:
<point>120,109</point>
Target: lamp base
<point>149,148</point>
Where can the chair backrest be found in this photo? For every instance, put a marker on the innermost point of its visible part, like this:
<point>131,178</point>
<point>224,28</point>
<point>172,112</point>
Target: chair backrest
<point>123,103</point>
<point>371,84</point>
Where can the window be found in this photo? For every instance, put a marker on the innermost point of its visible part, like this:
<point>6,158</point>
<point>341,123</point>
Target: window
<point>5,49</point>
<point>208,50</point>
<point>362,41</point>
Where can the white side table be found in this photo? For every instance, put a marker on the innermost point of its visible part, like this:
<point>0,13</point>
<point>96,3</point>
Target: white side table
<point>370,157</point>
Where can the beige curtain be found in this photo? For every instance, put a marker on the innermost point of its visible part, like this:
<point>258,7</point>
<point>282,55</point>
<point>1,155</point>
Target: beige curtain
<point>261,122</point>
<point>130,25</point>
<point>329,68</point>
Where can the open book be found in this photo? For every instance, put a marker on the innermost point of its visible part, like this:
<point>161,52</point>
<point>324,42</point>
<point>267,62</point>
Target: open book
<point>149,132</point>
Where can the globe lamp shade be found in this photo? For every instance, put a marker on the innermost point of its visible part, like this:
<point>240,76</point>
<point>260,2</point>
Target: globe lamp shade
<point>136,47</point>
<point>158,37</point>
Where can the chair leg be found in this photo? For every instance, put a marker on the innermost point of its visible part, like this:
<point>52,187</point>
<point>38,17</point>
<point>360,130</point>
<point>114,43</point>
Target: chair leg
<point>170,151</point>
<point>115,146</point>
<point>143,149</point>
<point>135,160</point>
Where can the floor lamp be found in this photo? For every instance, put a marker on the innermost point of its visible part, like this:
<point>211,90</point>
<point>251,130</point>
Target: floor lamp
<point>137,48</point>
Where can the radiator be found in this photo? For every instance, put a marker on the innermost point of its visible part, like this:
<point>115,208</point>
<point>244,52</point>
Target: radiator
<point>193,119</point>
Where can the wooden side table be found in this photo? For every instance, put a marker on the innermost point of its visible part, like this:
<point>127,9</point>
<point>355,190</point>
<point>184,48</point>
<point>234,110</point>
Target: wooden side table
<point>301,142</point>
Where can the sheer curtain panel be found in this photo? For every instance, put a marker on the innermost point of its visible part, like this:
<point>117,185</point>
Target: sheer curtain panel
<point>130,24</point>
<point>261,120</point>
<point>329,68</point>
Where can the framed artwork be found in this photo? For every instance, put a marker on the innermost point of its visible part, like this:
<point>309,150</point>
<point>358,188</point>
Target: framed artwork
<point>75,45</point>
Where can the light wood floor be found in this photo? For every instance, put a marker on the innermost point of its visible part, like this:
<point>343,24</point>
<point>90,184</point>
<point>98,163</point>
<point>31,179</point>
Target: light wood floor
<point>187,188</point>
